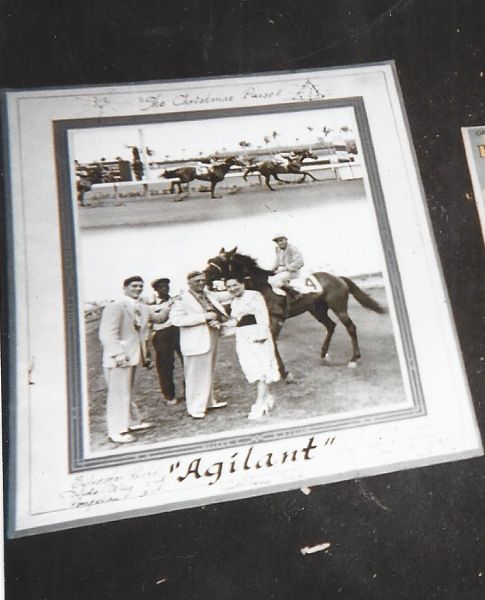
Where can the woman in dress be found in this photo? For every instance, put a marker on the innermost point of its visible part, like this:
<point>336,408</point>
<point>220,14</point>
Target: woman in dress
<point>254,343</point>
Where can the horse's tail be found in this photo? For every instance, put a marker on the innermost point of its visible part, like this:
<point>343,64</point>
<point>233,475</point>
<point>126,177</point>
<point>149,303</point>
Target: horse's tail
<point>363,298</point>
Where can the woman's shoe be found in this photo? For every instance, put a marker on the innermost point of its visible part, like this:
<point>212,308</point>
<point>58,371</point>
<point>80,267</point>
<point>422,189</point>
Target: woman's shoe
<point>258,411</point>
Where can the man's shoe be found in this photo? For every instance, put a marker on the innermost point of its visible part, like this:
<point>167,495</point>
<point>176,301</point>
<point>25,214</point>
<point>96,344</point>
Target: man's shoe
<point>197,415</point>
<point>140,426</point>
<point>218,405</point>
<point>122,438</point>
<point>171,401</point>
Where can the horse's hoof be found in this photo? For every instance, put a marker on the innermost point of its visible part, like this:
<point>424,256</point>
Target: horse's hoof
<point>352,364</point>
<point>289,378</point>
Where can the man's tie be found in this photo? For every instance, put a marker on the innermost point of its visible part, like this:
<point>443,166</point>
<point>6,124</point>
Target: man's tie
<point>137,320</point>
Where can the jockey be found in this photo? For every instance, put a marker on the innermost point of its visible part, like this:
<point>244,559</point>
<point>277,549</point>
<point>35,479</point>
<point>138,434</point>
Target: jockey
<point>287,265</point>
<point>284,158</point>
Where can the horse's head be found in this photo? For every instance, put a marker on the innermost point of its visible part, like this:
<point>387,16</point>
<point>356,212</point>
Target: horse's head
<point>226,255</point>
<point>234,160</point>
<point>217,269</point>
<point>309,154</point>
<point>230,263</point>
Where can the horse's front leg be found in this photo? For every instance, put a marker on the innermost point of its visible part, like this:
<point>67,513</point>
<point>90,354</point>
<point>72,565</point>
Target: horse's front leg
<point>307,174</point>
<point>213,187</point>
<point>266,180</point>
<point>284,373</point>
<point>279,179</point>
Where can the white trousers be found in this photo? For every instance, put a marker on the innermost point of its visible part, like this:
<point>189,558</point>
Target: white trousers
<point>282,278</point>
<point>121,410</point>
<point>199,378</point>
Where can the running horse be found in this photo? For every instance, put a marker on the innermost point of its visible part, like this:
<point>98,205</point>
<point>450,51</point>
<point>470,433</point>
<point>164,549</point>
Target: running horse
<point>335,296</point>
<point>214,173</point>
<point>273,168</point>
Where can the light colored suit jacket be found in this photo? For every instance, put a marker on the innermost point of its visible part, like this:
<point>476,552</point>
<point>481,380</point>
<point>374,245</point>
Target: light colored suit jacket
<point>118,334</point>
<point>188,314</point>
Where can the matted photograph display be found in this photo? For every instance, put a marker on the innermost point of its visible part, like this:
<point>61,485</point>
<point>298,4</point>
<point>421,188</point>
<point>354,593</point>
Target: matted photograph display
<point>474,140</point>
<point>222,288</point>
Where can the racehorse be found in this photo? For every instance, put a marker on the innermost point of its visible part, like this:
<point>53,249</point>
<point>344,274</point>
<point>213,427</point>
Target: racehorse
<point>273,168</point>
<point>335,296</point>
<point>89,175</point>
<point>214,173</point>
<point>83,185</point>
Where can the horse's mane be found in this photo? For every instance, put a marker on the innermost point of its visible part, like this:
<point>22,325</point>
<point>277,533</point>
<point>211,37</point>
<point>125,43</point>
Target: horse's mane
<point>248,263</point>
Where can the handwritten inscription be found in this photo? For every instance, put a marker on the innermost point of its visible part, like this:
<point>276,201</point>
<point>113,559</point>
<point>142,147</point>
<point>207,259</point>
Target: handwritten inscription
<point>188,99</point>
<point>90,489</point>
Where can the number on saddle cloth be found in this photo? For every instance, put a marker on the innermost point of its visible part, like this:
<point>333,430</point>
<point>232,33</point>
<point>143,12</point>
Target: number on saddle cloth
<point>307,284</point>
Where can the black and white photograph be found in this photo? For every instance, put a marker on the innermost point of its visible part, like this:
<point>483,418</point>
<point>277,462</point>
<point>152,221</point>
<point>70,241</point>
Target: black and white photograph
<point>243,256</point>
<point>241,300</point>
<point>223,288</point>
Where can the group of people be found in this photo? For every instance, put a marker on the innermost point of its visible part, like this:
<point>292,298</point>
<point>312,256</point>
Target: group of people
<point>189,325</point>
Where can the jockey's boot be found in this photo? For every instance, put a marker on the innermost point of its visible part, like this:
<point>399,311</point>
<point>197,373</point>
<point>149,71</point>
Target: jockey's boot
<point>292,295</point>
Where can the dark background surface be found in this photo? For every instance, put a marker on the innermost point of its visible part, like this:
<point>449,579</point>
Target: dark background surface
<point>417,534</point>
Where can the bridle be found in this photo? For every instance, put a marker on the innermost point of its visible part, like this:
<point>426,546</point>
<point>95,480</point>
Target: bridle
<point>213,264</point>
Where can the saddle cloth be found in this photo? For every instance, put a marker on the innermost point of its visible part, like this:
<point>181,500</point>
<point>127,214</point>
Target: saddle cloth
<point>305,284</point>
<point>202,170</point>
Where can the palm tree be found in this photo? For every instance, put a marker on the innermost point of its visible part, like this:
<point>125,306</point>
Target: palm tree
<point>310,129</point>
<point>244,146</point>
<point>276,135</point>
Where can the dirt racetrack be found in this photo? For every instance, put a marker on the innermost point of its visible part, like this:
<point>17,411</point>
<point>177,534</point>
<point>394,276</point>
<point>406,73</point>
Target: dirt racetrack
<point>320,390</point>
<point>232,202</point>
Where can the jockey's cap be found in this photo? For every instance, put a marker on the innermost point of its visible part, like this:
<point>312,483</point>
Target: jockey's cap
<point>279,236</point>
<point>158,282</point>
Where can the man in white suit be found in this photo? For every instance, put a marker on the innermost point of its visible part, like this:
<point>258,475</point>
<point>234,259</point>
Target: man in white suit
<point>123,332</point>
<point>198,314</point>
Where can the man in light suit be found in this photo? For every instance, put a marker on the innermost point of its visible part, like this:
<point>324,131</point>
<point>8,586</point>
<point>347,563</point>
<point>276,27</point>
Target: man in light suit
<point>198,314</point>
<point>123,332</point>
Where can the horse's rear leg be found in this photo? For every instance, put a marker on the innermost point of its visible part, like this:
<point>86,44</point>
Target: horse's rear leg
<point>352,331</point>
<point>320,312</point>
